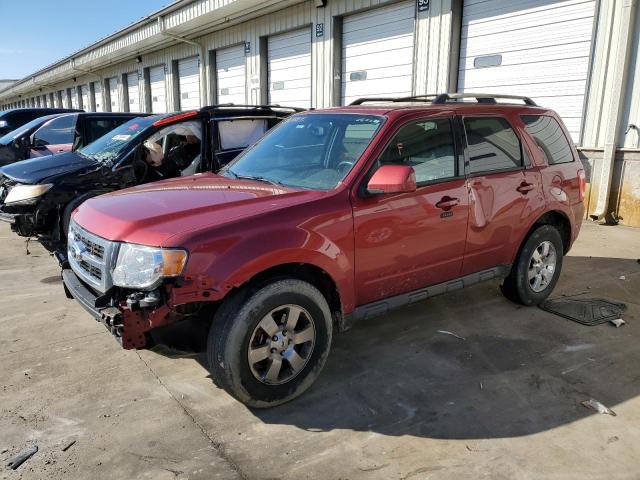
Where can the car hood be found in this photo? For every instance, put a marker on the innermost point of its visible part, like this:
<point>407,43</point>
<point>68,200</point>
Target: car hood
<point>159,213</point>
<point>38,170</point>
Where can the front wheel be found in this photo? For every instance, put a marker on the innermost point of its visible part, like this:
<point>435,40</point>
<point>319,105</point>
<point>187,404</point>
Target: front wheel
<point>537,268</point>
<point>266,346</point>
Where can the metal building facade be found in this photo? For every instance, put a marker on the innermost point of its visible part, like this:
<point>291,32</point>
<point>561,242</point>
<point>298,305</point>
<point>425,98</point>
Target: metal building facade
<point>577,56</point>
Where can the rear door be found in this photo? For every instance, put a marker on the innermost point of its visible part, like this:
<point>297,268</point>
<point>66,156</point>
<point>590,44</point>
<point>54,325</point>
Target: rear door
<point>504,191</point>
<point>96,127</point>
<point>407,241</point>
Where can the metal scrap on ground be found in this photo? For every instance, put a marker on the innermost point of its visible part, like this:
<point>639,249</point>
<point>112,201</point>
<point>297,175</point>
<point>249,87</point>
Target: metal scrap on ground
<point>596,406</point>
<point>22,457</point>
<point>446,332</point>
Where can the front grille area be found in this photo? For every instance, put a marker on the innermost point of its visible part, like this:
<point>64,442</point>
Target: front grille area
<point>91,257</point>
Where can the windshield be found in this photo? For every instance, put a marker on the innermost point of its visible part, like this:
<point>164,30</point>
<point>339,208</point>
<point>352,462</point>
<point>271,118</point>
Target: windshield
<point>108,147</point>
<point>314,151</point>
<point>11,136</point>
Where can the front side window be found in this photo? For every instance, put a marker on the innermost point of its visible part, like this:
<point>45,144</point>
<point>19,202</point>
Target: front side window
<point>492,144</point>
<point>313,150</point>
<point>174,150</point>
<point>425,145</point>
<point>59,131</point>
<point>550,138</point>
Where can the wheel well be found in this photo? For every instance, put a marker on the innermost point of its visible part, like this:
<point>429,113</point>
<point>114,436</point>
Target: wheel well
<point>308,273</point>
<point>558,220</point>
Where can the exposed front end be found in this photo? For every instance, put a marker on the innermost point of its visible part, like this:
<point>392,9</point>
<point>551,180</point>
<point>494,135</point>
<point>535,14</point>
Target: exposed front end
<point>94,275</point>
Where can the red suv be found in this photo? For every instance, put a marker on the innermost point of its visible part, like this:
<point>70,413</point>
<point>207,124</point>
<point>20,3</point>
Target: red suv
<point>336,215</point>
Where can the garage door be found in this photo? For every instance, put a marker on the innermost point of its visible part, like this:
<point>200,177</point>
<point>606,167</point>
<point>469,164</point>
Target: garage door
<point>537,48</point>
<point>73,91</point>
<point>97,96</point>
<point>231,75</point>
<point>114,94</point>
<point>133,91</point>
<point>289,67</point>
<point>84,93</point>
<point>377,52</point>
<point>158,89</point>
<point>189,83</point>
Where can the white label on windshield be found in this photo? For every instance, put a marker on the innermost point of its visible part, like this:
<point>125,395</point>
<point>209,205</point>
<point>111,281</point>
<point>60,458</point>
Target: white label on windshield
<point>121,138</point>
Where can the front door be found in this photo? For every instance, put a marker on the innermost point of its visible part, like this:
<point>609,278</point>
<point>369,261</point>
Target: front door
<point>406,241</point>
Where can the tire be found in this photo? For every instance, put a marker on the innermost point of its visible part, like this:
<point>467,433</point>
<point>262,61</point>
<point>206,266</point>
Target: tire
<point>239,325</point>
<point>518,286</point>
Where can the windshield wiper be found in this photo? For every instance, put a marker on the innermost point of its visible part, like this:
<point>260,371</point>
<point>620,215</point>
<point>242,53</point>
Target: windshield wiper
<point>256,178</point>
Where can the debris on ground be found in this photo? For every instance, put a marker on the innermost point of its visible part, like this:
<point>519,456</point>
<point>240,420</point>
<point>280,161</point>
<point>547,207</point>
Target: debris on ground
<point>68,445</point>
<point>446,332</point>
<point>622,277</point>
<point>3,450</point>
<point>585,311</point>
<point>22,457</point>
<point>596,406</point>
<point>618,322</point>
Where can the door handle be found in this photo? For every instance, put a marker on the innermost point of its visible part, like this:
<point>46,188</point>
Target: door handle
<point>525,187</point>
<point>446,203</point>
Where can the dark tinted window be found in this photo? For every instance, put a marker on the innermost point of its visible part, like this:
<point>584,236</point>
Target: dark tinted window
<point>97,127</point>
<point>492,144</point>
<point>59,131</point>
<point>425,145</point>
<point>550,138</point>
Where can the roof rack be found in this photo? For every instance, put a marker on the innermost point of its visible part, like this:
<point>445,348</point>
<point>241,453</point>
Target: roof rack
<point>440,98</point>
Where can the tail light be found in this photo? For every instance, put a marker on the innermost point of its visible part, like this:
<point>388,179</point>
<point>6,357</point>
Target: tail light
<point>582,184</point>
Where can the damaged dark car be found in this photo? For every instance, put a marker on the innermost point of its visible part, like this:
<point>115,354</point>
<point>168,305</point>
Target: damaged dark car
<point>37,196</point>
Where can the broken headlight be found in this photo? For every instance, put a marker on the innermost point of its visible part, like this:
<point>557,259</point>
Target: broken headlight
<point>20,193</point>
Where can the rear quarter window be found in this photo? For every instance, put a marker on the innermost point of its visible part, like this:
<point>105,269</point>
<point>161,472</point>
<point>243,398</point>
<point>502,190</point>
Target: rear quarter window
<point>549,137</point>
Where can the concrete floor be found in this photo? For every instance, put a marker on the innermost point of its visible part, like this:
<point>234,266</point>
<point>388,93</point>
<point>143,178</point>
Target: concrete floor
<point>397,400</point>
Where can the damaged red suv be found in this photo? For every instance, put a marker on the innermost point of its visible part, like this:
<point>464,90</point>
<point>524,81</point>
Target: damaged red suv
<point>335,216</point>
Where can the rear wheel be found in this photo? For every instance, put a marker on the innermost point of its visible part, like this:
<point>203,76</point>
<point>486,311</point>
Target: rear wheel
<point>266,346</point>
<point>537,268</point>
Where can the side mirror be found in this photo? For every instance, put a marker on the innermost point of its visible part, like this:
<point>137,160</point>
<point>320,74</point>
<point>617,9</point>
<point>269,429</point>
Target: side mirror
<point>392,179</point>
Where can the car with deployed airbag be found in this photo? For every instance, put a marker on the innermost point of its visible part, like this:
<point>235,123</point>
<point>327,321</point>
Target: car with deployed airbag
<point>38,195</point>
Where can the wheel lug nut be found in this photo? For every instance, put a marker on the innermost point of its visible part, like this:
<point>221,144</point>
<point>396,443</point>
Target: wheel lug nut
<point>275,338</point>
<point>273,350</point>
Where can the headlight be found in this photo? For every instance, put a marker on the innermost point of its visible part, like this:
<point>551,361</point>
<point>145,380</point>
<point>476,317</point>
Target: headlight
<point>26,192</point>
<point>143,267</point>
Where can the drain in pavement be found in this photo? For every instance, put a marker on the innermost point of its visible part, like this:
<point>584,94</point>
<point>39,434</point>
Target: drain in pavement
<point>586,311</point>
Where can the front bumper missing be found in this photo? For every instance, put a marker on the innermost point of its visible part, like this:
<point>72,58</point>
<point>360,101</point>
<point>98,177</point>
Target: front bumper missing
<point>127,326</point>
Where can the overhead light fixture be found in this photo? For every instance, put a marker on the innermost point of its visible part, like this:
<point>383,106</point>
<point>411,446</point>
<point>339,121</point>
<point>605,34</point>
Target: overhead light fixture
<point>74,80</point>
<point>139,59</point>
<point>320,3</point>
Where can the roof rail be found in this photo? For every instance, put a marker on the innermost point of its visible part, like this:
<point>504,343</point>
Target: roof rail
<point>482,98</point>
<point>440,98</point>
<point>265,107</point>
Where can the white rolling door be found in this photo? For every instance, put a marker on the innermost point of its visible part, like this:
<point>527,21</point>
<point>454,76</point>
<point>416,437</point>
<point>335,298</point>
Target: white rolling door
<point>231,75</point>
<point>44,101</point>
<point>114,94</point>
<point>65,99</point>
<point>189,83</point>
<point>377,52</point>
<point>97,98</point>
<point>133,91</point>
<point>158,89</point>
<point>529,47</point>
<point>84,93</point>
<point>73,91</point>
<point>289,68</point>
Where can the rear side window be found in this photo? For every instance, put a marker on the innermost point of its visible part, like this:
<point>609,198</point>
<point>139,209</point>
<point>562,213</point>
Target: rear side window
<point>492,144</point>
<point>238,134</point>
<point>548,134</point>
<point>59,131</point>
